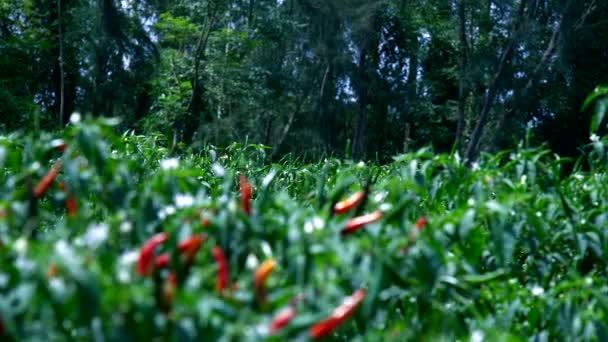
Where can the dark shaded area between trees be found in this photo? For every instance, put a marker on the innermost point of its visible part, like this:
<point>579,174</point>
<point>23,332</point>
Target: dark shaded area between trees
<point>367,78</point>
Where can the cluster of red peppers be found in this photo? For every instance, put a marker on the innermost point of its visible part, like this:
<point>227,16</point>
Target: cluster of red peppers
<point>148,262</point>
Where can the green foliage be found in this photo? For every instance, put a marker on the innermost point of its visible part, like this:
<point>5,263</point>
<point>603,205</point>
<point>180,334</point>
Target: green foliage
<point>513,248</point>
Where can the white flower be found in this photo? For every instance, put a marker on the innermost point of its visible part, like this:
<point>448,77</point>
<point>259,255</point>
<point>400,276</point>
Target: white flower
<point>218,170</point>
<point>21,245</point>
<point>537,291</point>
<point>96,235</point>
<point>128,258</point>
<point>166,211</point>
<point>75,118</point>
<point>168,164</point>
<point>308,228</point>
<point>594,137</point>
<point>317,222</point>
<point>126,227</point>
<point>183,200</point>
<point>477,336</point>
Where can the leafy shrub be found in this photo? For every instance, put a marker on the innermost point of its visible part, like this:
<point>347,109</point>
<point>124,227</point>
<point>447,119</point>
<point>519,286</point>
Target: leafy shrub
<point>140,245</point>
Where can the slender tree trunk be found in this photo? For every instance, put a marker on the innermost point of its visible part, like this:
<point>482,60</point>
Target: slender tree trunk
<point>291,120</point>
<point>522,98</point>
<point>250,13</point>
<point>361,123</point>
<point>269,123</point>
<point>473,147</point>
<point>194,106</point>
<point>412,71</point>
<point>201,45</point>
<point>321,119</point>
<point>463,66</point>
<point>61,66</point>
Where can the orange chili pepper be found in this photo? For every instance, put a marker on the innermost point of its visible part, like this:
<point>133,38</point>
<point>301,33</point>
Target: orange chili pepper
<point>349,203</point>
<point>357,222</point>
<point>145,264</point>
<point>245,194</point>
<point>339,315</point>
<point>261,274</point>
<point>52,271</point>
<point>222,268</point>
<point>47,180</point>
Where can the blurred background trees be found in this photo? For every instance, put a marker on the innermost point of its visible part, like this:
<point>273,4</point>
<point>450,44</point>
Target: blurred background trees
<point>310,77</point>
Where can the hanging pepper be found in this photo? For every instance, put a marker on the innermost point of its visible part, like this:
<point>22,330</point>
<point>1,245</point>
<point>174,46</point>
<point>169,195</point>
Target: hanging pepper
<point>145,264</point>
<point>245,194</point>
<point>349,203</point>
<point>222,268</point>
<point>47,180</point>
<point>339,315</point>
<point>357,222</point>
<point>261,274</point>
<point>282,318</point>
<point>70,202</point>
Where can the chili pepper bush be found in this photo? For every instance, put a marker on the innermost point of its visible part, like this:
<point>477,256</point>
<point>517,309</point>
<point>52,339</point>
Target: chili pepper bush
<point>114,238</point>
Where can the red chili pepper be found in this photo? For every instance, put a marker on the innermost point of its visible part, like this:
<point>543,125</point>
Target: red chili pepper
<point>47,180</point>
<point>261,273</point>
<point>421,223</point>
<point>357,222</point>
<point>170,286</point>
<point>339,315</point>
<point>145,264</point>
<point>282,319</point>
<point>71,206</point>
<point>417,228</point>
<point>222,268</point>
<point>190,247</point>
<point>70,202</point>
<point>349,203</point>
<point>162,261</point>
<point>245,194</point>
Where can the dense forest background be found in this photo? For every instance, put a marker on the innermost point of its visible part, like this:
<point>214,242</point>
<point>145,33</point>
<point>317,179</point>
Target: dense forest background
<point>311,77</point>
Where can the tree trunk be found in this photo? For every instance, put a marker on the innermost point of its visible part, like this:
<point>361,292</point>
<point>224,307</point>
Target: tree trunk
<point>268,130</point>
<point>361,123</point>
<point>321,119</point>
<point>462,65</point>
<point>412,70</point>
<point>250,13</point>
<point>61,67</point>
<point>291,120</point>
<point>473,147</point>
<point>201,45</point>
<point>522,99</point>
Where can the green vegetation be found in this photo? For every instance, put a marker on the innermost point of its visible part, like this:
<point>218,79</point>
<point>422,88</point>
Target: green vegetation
<point>512,248</point>
<point>382,77</point>
<point>303,169</point>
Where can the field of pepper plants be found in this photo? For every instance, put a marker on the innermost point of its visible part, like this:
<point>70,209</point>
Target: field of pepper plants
<point>109,237</point>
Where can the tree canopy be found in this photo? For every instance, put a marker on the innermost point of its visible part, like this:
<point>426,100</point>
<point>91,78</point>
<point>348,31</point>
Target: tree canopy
<point>313,78</point>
